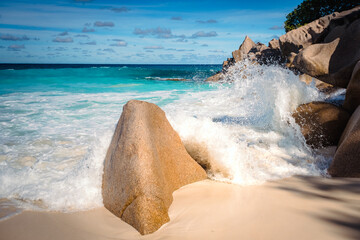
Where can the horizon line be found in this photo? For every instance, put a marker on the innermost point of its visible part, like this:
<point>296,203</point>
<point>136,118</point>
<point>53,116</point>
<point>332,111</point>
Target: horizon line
<point>110,63</point>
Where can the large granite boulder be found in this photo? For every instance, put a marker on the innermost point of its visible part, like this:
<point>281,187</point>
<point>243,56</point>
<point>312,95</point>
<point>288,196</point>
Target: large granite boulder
<point>332,62</point>
<point>352,98</point>
<point>346,162</point>
<point>339,23</point>
<point>302,37</point>
<point>146,161</point>
<point>315,59</point>
<point>323,30</point>
<point>321,123</point>
<point>244,49</point>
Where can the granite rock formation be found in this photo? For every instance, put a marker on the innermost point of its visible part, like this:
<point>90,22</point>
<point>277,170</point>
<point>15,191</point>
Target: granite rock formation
<point>346,162</point>
<point>321,123</point>
<point>244,49</point>
<point>352,98</point>
<point>146,161</point>
<point>332,62</point>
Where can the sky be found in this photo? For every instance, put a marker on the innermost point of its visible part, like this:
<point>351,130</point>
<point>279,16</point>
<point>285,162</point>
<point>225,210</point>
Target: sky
<point>135,32</point>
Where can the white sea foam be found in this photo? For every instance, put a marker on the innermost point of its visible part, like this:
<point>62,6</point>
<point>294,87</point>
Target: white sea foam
<point>245,130</point>
<point>53,144</point>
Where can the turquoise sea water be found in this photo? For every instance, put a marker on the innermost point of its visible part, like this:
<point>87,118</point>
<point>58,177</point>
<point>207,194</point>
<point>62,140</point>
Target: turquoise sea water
<point>56,123</point>
<point>101,79</point>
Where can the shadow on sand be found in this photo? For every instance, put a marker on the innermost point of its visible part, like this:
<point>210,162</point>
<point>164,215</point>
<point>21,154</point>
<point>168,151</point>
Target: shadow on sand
<point>344,192</point>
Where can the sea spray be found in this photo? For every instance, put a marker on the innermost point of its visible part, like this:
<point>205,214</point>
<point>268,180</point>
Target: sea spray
<point>244,130</point>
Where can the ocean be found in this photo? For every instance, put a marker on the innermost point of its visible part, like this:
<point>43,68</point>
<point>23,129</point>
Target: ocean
<point>56,122</point>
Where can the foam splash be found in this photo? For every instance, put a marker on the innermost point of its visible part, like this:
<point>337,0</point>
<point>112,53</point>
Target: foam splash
<point>243,132</point>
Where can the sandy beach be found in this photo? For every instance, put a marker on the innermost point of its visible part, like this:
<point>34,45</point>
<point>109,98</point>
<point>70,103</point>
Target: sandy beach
<point>179,120</point>
<point>293,208</point>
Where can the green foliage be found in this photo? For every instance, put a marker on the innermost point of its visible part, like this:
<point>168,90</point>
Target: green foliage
<point>310,10</point>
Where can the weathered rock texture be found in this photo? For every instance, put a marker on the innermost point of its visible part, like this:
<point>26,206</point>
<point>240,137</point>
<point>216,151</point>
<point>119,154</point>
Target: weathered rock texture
<point>315,59</point>
<point>346,162</point>
<point>274,44</point>
<point>332,62</point>
<point>304,36</point>
<point>244,49</point>
<point>352,98</point>
<point>321,123</point>
<point>145,163</point>
<point>325,29</point>
<point>327,48</point>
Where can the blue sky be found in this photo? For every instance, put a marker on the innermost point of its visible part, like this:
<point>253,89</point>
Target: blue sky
<point>144,32</point>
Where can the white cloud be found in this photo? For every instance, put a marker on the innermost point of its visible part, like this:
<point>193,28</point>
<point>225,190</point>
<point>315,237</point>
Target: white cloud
<point>85,30</point>
<point>120,10</point>
<point>156,32</point>
<point>63,34</point>
<point>63,40</point>
<point>8,37</point>
<point>275,27</point>
<point>16,47</point>
<point>207,21</point>
<point>89,43</point>
<point>119,43</point>
<point>204,34</point>
<point>154,47</point>
<point>177,18</point>
<point>103,24</point>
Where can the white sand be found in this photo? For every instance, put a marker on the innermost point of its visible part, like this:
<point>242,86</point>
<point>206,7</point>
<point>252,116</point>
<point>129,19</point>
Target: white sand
<point>294,208</point>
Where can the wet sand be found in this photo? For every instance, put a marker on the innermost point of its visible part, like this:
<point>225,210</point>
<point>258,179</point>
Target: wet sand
<point>293,208</point>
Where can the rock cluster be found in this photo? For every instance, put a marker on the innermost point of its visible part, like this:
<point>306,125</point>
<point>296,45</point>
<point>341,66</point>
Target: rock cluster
<point>244,49</point>
<point>146,161</point>
<point>329,50</point>
<point>326,50</point>
<point>333,57</point>
<point>256,52</point>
